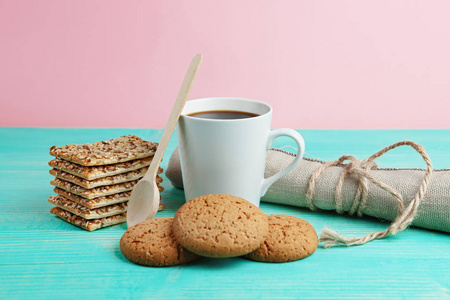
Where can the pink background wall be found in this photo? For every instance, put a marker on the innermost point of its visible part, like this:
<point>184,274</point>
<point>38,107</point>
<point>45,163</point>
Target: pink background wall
<point>320,64</point>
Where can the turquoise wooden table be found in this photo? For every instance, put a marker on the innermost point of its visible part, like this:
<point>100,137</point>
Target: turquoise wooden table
<point>42,256</point>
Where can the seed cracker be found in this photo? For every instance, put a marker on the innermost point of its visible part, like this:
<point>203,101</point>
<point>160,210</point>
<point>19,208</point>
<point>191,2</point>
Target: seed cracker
<point>96,202</point>
<point>99,201</point>
<point>89,225</point>
<point>89,184</point>
<point>98,191</point>
<point>121,149</point>
<point>89,214</point>
<point>95,172</point>
<point>85,212</point>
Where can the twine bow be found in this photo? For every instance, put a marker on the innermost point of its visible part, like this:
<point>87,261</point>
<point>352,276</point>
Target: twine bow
<point>359,169</point>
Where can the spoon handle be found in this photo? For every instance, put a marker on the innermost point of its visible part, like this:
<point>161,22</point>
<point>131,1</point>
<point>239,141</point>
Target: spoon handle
<point>175,114</point>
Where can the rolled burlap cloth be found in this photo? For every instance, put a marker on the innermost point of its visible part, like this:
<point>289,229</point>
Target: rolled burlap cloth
<point>355,188</point>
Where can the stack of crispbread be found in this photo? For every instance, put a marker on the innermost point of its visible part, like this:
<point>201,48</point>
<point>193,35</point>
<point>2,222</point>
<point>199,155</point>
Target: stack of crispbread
<point>94,181</point>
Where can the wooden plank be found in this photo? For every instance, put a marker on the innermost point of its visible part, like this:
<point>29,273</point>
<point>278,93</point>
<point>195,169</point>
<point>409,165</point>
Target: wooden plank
<point>43,257</point>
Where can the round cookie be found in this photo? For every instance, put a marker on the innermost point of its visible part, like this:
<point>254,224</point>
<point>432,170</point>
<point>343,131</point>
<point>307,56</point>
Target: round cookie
<point>151,243</point>
<point>289,239</point>
<point>220,226</point>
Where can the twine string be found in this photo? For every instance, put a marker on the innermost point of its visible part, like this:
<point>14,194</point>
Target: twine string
<point>360,170</point>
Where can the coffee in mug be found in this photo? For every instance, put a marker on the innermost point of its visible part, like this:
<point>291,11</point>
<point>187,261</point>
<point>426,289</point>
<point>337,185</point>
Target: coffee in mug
<point>222,114</point>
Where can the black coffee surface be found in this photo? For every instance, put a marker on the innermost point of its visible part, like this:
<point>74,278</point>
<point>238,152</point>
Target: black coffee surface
<point>223,114</point>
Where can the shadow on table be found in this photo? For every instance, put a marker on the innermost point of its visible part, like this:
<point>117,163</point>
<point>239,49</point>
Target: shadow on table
<point>216,263</point>
<point>203,262</point>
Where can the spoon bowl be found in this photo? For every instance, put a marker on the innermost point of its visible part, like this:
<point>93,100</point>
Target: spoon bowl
<point>139,204</point>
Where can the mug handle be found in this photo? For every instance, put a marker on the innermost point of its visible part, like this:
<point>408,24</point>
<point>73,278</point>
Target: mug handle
<point>267,182</point>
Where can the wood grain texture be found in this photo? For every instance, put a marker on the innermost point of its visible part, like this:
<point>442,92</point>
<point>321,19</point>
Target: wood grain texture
<point>42,256</point>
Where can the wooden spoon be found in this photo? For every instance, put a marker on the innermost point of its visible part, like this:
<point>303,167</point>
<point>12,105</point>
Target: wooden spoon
<point>144,201</point>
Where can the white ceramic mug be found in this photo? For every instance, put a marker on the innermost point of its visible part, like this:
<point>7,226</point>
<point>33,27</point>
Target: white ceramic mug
<point>228,156</point>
